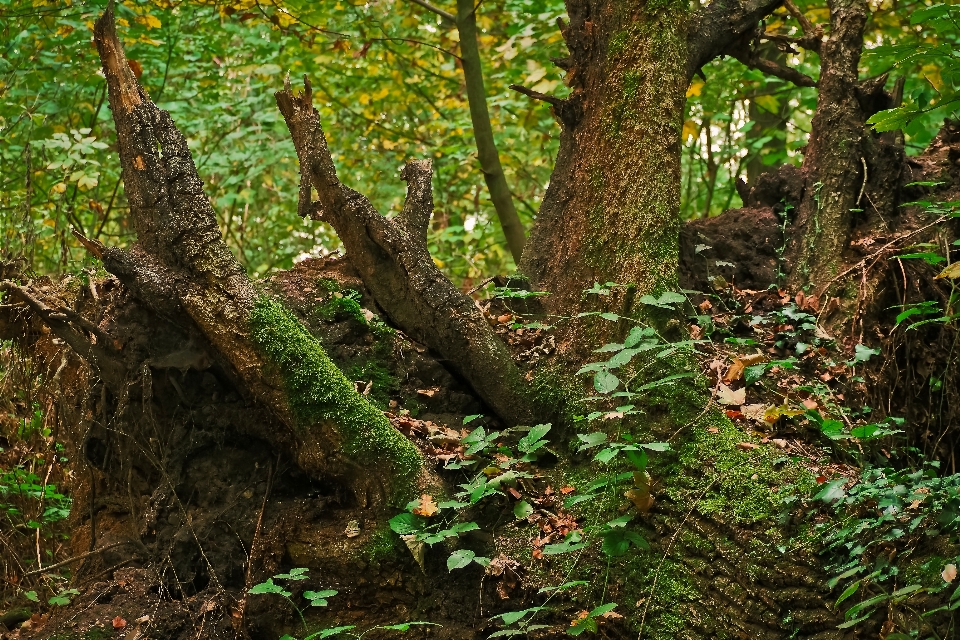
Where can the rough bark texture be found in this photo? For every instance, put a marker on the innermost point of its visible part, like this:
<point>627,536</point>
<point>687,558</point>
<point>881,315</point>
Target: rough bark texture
<point>611,212</point>
<point>395,264</point>
<point>183,271</point>
<point>833,165</point>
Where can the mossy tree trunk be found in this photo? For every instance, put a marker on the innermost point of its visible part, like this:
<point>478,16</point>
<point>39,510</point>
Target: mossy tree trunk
<point>612,210</point>
<point>181,269</point>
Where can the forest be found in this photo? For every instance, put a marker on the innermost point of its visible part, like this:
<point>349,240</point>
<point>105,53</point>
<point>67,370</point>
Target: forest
<point>475,319</point>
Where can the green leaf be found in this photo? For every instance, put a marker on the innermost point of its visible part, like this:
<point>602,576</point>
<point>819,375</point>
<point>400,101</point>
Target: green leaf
<point>605,382</point>
<point>656,446</point>
<point>405,626</point>
<point>329,633</point>
<point>31,595</point>
<point>522,509</point>
<point>406,523</point>
<point>591,440</point>
<point>459,559</point>
<point>862,353</point>
<point>267,587</point>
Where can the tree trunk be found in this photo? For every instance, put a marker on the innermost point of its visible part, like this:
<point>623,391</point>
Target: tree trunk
<point>834,161</point>
<point>181,269</point>
<point>500,195</point>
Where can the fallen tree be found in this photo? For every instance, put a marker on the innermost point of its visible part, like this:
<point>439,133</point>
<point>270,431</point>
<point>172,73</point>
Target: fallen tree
<point>198,376</point>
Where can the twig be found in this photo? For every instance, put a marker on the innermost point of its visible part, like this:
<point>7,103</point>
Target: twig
<point>536,95</point>
<point>437,10</point>
<point>253,546</point>
<point>863,187</point>
<point>481,285</point>
<point>75,558</point>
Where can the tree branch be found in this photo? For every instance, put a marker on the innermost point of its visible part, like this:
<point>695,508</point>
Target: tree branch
<point>718,25</point>
<point>418,207</point>
<point>437,10</point>
<point>769,67</point>
<point>395,264</point>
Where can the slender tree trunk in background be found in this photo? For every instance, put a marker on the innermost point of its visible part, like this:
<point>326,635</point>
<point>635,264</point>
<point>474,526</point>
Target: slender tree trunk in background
<point>765,120</point>
<point>483,131</point>
<point>833,164</point>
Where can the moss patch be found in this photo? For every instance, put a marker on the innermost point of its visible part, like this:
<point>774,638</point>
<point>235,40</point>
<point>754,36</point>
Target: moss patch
<point>318,392</point>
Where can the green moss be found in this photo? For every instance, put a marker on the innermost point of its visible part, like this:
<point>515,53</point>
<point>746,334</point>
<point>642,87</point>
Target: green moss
<point>382,545</point>
<point>617,44</point>
<point>374,371</point>
<point>318,392</point>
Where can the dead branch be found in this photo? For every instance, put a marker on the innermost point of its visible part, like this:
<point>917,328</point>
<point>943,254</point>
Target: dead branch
<point>715,27</point>
<point>395,264</point>
<point>750,58</point>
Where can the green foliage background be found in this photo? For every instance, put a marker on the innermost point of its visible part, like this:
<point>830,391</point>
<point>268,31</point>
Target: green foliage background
<point>388,88</point>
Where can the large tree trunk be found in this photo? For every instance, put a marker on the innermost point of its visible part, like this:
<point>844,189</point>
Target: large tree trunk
<point>612,210</point>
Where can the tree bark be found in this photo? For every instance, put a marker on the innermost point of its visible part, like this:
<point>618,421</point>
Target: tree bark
<point>834,161</point>
<point>395,264</point>
<point>181,269</point>
<point>612,210</point>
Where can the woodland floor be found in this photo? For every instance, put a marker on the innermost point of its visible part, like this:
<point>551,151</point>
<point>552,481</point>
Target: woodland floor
<point>236,489</point>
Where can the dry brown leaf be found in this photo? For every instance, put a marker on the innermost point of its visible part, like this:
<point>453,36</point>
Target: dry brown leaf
<point>567,489</point>
<point>427,506</point>
<point>119,623</point>
<point>953,271</point>
<point>727,396</point>
<point>747,446</point>
<point>950,571</point>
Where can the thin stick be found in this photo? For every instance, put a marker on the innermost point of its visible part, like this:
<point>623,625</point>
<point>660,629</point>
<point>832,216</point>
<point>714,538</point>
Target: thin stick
<point>253,544</point>
<point>75,558</point>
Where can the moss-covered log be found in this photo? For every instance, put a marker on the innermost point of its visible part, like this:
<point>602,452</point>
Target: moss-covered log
<point>181,268</point>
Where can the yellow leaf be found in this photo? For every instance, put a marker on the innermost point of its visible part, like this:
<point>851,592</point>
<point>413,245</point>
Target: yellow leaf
<point>427,506</point>
<point>60,187</point>
<point>953,271</point>
<point>767,103</point>
<point>695,88</point>
<point>690,130</point>
<point>150,22</point>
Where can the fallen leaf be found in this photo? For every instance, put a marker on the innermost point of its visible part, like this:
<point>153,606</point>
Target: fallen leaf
<point>567,489</point>
<point>427,506</point>
<point>727,396</point>
<point>747,446</point>
<point>754,412</point>
<point>642,500</point>
<point>353,529</point>
<point>950,571</point>
<point>713,430</point>
<point>119,623</point>
<point>733,414</point>
<point>417,548</point>
<point>953,271</point>
<point>810,403</point>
